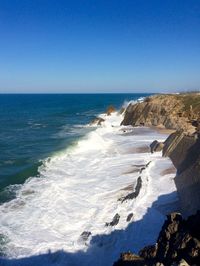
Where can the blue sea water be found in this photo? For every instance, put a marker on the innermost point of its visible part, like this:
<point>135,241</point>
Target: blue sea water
<point>35,126</point>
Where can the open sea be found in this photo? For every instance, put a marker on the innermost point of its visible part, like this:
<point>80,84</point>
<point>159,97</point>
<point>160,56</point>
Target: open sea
<point>63,180</point>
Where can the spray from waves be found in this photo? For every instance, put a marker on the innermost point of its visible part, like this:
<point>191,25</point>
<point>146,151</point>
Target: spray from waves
<point>75,203</point>
<point>126,103</point>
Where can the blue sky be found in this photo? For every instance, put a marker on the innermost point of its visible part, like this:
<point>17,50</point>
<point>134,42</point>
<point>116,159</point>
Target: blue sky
<point>99,46</point>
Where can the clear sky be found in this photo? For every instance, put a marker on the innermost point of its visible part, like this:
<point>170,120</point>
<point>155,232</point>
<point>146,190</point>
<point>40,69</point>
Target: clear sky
<point>99,45</point>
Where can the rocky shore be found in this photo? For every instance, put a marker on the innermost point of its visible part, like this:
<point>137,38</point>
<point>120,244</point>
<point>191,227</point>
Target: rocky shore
<point>179,241</point>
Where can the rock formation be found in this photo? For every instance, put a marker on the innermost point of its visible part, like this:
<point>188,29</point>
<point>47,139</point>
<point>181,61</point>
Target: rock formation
<point>179,240</point>
<point>184,151</point>
<point>171,111</point>
<point>97,121</point>
<point>156,146</point>
<point>178,244</point>
<point>110,110</point>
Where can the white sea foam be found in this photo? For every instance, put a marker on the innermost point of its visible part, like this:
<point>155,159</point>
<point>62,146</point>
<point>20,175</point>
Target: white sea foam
<point>79,190</point>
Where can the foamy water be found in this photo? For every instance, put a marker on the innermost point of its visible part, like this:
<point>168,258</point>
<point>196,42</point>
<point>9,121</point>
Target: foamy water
<point>80,190</point>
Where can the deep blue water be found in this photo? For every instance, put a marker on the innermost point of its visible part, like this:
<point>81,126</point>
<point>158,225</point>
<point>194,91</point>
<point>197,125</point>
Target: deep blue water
<point>34,126</point>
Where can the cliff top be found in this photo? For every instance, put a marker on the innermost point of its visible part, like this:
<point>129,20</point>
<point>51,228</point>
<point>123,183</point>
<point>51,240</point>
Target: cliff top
<point>186,102</point>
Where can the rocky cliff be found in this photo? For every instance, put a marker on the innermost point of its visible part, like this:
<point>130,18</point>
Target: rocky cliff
<point>172,111</point>
<point>179,240</point>
<point>180,112</point>
<point>184,151</point>
<point>178,244</point>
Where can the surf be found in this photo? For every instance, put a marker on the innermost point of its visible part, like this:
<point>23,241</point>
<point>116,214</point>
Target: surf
<point>75,203</point>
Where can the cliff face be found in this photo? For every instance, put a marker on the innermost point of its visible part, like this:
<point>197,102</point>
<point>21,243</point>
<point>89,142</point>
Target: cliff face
<point>180,112</point>
<point>179,240</point>
<point>184,151</point>
<point>171,111</point>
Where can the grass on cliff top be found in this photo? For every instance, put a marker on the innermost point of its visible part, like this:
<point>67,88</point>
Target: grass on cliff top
<point>188,99</point>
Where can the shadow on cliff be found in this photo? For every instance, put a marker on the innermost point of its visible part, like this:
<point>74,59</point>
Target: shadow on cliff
<point>105,249</point>
<point>191,158</point>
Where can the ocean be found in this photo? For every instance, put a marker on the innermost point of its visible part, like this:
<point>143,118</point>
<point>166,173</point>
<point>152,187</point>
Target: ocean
<point>33,127</point>
<point>62,180</point>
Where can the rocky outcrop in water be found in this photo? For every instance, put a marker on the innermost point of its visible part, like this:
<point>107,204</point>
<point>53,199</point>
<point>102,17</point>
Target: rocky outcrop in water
<point>178,244</point>
<point>135,193</point>
<point>156,146</point>
<point>115,220</point>
<point>110,110</point>
<point>97,121</point>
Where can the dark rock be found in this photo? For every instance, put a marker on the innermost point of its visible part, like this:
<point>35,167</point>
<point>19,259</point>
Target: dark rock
<point>134,194</point>
<point>129,217</point>
<point>142,169</point>
<point>97,121</point>
<point>148,164</point>
<point>85,235</point>
<point>193,223</point>
<point>115,220</point>
<point>148,252</point>
<point>156,146</point>
<point>177,244</point>
<point>184,151</point>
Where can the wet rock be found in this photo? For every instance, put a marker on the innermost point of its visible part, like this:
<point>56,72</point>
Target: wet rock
<point>97,121</point>
<point>110,110</point>
<point>129,217</point>
<point>115,220</point>
<point>156,146</point>
<point>148,164</point>
<point>85,235</point>
<point>142,169</point>
<point>134,194</point>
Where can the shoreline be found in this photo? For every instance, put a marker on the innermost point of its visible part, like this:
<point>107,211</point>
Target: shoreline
<point>182,147</point>
<point>96,200</point>
<point>126,202</point>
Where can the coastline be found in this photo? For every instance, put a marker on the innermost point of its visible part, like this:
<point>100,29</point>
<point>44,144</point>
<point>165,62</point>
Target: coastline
<point>111,152</point>
<point>122,208</point>
<point>182,147</point>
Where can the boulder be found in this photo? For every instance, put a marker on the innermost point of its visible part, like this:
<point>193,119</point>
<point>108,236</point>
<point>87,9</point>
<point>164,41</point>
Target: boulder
<point>156,146</point>
<point>115,220</point>
<point>85,235</point>
<point>129,217</point>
